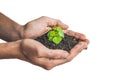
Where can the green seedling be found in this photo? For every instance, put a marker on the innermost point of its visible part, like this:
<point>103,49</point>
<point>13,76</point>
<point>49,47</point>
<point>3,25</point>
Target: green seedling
<point>56,34</point>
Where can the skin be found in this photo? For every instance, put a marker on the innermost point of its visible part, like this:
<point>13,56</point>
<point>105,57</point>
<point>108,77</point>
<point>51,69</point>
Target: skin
<point>21,44</point>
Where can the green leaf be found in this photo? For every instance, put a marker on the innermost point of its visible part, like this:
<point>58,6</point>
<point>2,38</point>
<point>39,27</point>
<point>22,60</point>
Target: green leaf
<point>50,38</point>
<point>61,34</point>
<point>58,28</point>
<point>51,33</point>
<point>56,34</point>
<point>57,40</point>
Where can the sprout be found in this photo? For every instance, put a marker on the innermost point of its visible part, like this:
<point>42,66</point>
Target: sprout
<point>56,34</point>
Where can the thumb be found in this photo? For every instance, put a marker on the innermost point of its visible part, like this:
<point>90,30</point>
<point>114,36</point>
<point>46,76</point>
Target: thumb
<point>55,54</point>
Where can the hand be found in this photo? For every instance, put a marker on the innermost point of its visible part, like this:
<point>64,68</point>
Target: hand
<point>31,50</point>
<point>40,26</point>
<point>80,46</point>
<point>74,51</point>
<point>12,31</point>
<point>35,53</point>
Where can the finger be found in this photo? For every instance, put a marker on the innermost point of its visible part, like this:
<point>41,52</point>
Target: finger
<point>87,41</point>
<point>64,26</point>
<point>42,62</point>
<point>49,53</point>
<point>76,50</point>
<point>57,54</point>
<point>55,22</point>
<point>75,34</point>
<point>57,62</point>
<point>54,54</point>
<point>44,31</point>
<point>47,63</point>
<point>80,35</point>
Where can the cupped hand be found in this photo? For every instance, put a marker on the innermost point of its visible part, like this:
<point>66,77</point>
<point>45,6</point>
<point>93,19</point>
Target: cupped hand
<point>83,44</point>
<point>36,53</point>
<point>75,50</point>
<point>40,26</point>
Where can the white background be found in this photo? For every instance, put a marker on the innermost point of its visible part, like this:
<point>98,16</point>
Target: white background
<point>99,20</point>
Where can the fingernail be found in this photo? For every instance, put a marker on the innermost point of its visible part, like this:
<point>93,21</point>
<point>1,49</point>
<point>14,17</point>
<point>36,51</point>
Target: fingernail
<point>86,48</point>
<point>65,54</point>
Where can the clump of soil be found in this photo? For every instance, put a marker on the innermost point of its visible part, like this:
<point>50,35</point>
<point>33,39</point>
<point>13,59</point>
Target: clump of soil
<point>67,43</point>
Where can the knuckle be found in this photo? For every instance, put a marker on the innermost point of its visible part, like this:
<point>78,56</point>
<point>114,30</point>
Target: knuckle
<point>59,21</point>
<point>48,66</point>
<point>86,40</point>
<point>57,55</point>
<point>68,59</point>
<point>44,17</point>
<point>52,54</point>
<point>83,36</point>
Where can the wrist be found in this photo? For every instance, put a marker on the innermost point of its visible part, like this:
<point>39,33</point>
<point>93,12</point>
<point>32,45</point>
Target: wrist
<point>19,31</point>
<point>11,50</point>
<point>9,29</point>
<point>17,50</point>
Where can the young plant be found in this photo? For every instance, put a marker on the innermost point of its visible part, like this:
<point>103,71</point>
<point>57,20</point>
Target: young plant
<point>56,34</point>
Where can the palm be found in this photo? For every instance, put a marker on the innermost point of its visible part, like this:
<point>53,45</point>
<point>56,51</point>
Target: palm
<point>35,53</point>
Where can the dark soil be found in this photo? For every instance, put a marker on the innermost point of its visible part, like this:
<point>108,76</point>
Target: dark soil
<point>67,43</point>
